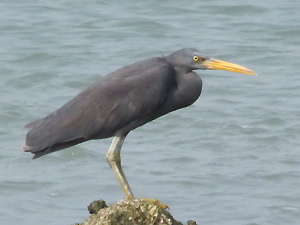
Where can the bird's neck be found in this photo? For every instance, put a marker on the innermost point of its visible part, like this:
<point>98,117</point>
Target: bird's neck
<point>182,69</point>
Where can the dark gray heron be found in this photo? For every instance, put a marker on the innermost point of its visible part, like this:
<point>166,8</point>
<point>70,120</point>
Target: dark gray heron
<point>122,101</point>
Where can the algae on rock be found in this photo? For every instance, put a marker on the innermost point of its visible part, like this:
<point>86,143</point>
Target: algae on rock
<point>129,212</point>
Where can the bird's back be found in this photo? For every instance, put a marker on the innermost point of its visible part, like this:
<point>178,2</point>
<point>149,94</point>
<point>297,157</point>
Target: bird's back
<point>116,100</point>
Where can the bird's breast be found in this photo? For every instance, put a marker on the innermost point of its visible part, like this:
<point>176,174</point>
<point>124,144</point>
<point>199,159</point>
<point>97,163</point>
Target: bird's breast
<point>189,87</point>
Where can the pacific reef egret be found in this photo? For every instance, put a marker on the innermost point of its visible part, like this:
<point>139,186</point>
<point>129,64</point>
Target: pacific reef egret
<point>122,101</point>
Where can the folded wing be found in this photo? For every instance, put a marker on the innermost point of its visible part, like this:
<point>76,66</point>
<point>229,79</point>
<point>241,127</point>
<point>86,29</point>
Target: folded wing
<point>100,111</point>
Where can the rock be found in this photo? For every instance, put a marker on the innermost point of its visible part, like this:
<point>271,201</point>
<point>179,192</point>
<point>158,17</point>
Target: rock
<point>95,206</point>
<point>129,212</point>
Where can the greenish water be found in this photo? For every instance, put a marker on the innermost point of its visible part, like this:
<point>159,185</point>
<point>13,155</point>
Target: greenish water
<point>231,158</point>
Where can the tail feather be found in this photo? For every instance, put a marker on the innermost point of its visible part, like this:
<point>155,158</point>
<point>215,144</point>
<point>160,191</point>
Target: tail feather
<point>38,153</point>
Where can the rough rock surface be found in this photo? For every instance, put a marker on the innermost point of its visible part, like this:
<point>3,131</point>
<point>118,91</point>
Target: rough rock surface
<point>130,212</point>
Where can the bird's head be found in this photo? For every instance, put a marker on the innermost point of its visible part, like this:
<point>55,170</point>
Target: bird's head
<point>193,59</point>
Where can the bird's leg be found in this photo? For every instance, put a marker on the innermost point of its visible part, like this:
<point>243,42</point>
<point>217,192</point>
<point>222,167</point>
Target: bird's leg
<point>114,160</point>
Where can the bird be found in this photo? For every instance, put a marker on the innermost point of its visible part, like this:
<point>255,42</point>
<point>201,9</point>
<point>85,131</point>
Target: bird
<point>123,101</point>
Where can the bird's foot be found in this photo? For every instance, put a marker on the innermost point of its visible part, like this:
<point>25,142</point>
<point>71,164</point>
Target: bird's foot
<point>155,202</point>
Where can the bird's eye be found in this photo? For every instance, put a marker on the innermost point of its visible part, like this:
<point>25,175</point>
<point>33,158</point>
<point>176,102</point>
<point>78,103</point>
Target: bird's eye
<point>195,58</point>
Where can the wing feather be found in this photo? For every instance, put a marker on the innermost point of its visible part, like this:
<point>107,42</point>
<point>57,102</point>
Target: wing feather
<point>100,111</point>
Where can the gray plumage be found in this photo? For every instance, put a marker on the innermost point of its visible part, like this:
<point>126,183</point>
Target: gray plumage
<point>120,102</point>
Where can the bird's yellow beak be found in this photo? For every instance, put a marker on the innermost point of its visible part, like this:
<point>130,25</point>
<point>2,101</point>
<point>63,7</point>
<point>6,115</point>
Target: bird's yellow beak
<point>215,64</point>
